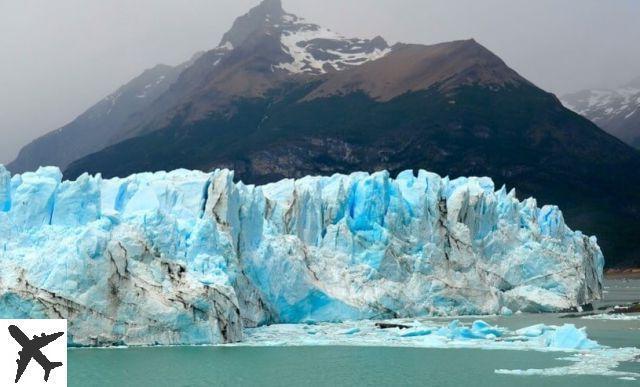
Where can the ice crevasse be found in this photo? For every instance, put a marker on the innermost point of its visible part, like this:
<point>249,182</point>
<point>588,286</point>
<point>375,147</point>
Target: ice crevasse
<point>187,257</point>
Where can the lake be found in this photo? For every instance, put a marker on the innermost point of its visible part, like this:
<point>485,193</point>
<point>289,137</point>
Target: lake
<point>261,363</point>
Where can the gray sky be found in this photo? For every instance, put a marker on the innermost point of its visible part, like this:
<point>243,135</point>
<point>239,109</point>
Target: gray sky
<point>58,58</point>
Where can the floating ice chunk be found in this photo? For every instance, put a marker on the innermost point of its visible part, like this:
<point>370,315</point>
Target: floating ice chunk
<point>590,359</point>
<point>417,332</point>
<point>351,331</point>
<point>534,330</point>
<point>613,317</point>
<point>603,362</point>
<point>570,337</point>
<point>506,311</point>
<point>482,328</point>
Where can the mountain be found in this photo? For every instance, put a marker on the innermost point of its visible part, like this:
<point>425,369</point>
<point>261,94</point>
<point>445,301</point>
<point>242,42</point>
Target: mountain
<point>281,97</point>
<point>95,129</point>
<point>264,49</point>
<point>142,104</point>
<point>308,47</point>
<point>616,111</point>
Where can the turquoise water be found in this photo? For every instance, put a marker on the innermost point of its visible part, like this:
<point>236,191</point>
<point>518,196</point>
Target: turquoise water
<point>353,366</point>
<point>314,366</point>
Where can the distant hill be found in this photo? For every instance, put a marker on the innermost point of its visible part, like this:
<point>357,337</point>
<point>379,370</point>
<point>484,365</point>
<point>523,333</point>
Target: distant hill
<point>97,127</point>
<point>616,111</point>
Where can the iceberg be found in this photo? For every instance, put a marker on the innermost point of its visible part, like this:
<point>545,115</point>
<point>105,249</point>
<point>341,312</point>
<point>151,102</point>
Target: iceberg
<point>584,356</point>
<point>187,257</point>
<point>426,333</point>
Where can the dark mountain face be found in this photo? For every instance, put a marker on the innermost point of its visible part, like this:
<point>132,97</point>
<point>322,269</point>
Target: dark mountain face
<point>281,97</point>
<point>616,111</point>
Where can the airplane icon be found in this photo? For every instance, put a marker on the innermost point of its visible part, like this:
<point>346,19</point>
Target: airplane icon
<point>31,349</point>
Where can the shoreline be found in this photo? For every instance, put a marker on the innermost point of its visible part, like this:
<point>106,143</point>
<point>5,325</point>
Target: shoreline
<point>632,273</point>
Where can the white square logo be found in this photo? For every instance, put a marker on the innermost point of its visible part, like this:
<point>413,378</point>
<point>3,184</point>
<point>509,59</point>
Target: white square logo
<point>34,353</point>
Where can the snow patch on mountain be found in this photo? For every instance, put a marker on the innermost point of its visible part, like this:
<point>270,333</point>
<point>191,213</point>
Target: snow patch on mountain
<point>613,110</point>
<point>315,49</point>
<point>609,102</point>
<point>311,48</point>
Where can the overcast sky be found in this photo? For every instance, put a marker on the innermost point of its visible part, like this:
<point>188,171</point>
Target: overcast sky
<point>58,58</point>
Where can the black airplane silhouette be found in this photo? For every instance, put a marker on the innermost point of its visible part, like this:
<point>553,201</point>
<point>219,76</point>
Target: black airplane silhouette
<point>31,349</point>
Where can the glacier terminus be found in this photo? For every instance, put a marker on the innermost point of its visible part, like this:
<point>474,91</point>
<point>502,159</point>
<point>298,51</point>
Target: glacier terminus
<point>187,257</point>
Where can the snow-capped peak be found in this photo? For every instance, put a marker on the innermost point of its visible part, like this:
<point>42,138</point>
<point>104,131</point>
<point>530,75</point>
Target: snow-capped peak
<point>615,110</point>
<point>310,47</point>
<point>600,104</point>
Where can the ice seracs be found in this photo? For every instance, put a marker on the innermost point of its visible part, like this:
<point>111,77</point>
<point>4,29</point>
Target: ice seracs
<point>188,257</point>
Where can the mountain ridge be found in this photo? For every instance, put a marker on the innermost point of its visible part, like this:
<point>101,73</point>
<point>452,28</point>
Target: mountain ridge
<point>94,129</point>
<point>416,67</point>
<point>617,111</point>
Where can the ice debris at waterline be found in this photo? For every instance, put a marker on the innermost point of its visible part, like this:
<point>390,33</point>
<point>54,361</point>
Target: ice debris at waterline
<point>187,257</point>
<point>587,357</point>
<point>613,317</point>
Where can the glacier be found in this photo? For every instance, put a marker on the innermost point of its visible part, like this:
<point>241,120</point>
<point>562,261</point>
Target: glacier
<point>187,257</point>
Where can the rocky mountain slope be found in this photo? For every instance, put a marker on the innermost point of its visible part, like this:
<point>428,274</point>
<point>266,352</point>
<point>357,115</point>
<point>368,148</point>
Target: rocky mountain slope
<point>616,111</point>
<point>281,97</point>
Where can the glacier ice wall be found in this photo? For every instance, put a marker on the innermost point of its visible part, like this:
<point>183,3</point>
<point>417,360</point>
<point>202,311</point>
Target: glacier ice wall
<point>186,257</point>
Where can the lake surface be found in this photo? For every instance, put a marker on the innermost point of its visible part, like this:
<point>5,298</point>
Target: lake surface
<point>352,365</point>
